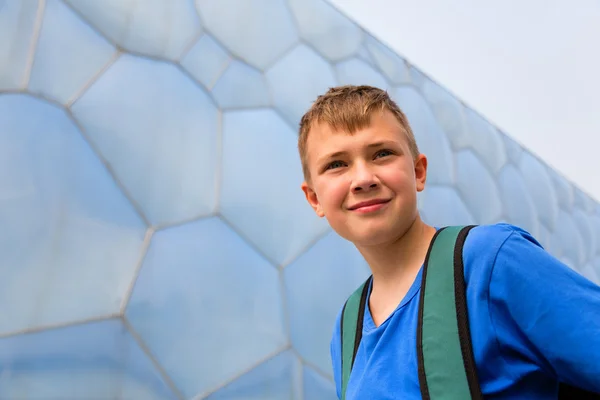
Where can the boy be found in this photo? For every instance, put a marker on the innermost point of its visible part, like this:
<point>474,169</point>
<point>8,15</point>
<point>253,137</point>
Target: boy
<point>534,322</point>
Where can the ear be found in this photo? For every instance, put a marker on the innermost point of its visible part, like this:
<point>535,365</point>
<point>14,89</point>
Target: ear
<point>312,199</point>
<point>421,172</point>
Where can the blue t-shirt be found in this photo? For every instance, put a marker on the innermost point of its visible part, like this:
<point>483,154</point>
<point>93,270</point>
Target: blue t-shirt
<point>533,322</point>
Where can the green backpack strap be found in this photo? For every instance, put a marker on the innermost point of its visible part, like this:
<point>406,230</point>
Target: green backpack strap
<point>445,362</point>
<point>351,330</point>
<point>444,355</point>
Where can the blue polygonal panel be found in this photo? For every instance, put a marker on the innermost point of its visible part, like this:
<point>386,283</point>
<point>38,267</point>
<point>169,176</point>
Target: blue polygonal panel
<point>540,188</point>
<point>519,208</point>
<point>584,222</point>
<point>432,141</point>
<point>241,86</point>
<point>277,378</point>
<point>568,239</point>
<point>158,131</point>
<point>417,78</point>
<point>326,29</point>
<point>583,201</point>
<point>595,223</point>
<point>363,54</point>
<point>390,63</point>
<point>448,112</point>
<point>17,22</point>
<point>69,54</point>
<point>317,387</point>
<point>442,206</point>
<point>485,140</point>
<point>98,360</point>
<point>261,193</point>
<point>68,232</point>
<point>564,190</point>
<point>357,72</point>
<point>590,271</point>
<point>206,61</point>
<point>514,151</point>
<point>545,238</point>
<point>317,285</point>
<point>202,337</point>
<point>297,80</point>
<point>478,188</point>
<point>162,28</point>
<point>258,31</point>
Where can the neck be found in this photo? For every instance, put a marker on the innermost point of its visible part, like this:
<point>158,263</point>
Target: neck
<point>393,263</point>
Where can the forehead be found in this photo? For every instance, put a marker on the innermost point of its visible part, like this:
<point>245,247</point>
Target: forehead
<point>323,139</point>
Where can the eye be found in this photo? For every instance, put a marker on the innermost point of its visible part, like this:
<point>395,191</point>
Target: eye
<point>334,164</point>
<point>383,153</point>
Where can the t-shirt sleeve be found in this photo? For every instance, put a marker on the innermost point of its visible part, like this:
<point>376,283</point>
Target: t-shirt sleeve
<point>546,312</point>
<point>336,356</point>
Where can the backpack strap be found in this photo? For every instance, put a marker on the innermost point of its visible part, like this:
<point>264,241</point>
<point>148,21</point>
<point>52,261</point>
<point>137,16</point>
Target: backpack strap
<point>351,325</point>
<point>444,354</point>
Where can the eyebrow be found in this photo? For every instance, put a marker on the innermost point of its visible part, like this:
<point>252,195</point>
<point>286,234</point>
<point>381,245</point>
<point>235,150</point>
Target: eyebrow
<point>341,153</point>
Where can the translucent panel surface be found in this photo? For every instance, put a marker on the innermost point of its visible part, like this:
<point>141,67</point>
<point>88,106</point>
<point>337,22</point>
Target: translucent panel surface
<point>389,62</point>
<point>17,22</point>
<point>241,86</point>
<point>159,133</point>
<point>296,81</point>
<point>485,140</point>
<point>448,112</point>
<point>584,222</point>
<point>275,379</point>
<point>514,151</point>
<point>201,336</point>
<point>568,240</point>
<point>519,207</point>
<point>541,189</point>
<point>432,141</point>
<point>564,191</point>
<point>258,31</point>
<point>261,193</point>
<point>206,61</point>
<point>317,387</point>
<point>478,188</point>
<point>358,72</point>
<point>69,54</point>
<point>98,360</point>
<point>583,201</point>
<point>331,33</point>
<point>442,206</point>
<point>317,285</point>
<point>67,231</point>
<point>161,28</point>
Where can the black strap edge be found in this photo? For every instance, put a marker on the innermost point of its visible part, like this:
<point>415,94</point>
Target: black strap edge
<point>420,362</point>
<point>342,340</point>
<point>361,317</point>
<point>462,316</point>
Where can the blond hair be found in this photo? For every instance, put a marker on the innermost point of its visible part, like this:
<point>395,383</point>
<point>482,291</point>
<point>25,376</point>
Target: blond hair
<point>349,109</point>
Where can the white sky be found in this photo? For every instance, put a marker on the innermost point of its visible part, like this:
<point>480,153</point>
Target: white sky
<point>531,67</point>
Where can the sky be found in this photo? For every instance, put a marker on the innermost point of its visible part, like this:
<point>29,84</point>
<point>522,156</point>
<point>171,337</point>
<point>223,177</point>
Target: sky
<point>532,68</point>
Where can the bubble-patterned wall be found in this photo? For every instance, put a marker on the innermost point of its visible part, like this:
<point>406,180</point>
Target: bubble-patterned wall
<point>154,240</point>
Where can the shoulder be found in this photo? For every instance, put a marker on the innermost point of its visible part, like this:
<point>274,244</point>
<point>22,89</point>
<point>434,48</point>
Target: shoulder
<point>488,246</point>
<point>495,237</point>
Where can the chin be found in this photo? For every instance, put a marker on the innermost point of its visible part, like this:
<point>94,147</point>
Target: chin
<point>373,236</point>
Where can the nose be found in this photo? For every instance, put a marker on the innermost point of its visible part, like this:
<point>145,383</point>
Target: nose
<point>364,180</point>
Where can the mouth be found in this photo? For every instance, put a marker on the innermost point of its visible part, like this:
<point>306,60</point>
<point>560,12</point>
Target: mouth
<point>369,205</point>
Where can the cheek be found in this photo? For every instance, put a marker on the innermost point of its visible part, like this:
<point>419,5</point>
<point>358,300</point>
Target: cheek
<point>332,195</point>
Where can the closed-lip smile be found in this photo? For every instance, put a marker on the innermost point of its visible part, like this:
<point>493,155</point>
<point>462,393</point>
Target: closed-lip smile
<point>364,204</point>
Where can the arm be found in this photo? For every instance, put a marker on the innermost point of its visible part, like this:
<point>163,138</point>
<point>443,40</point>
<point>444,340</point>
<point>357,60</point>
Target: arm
<point>546,311</point>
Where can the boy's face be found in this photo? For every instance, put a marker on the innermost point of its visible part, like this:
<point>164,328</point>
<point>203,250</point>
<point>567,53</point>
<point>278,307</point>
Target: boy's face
<point>366,183</point>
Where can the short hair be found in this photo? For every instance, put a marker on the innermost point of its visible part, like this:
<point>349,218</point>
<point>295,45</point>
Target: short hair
<point>349,108</point>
